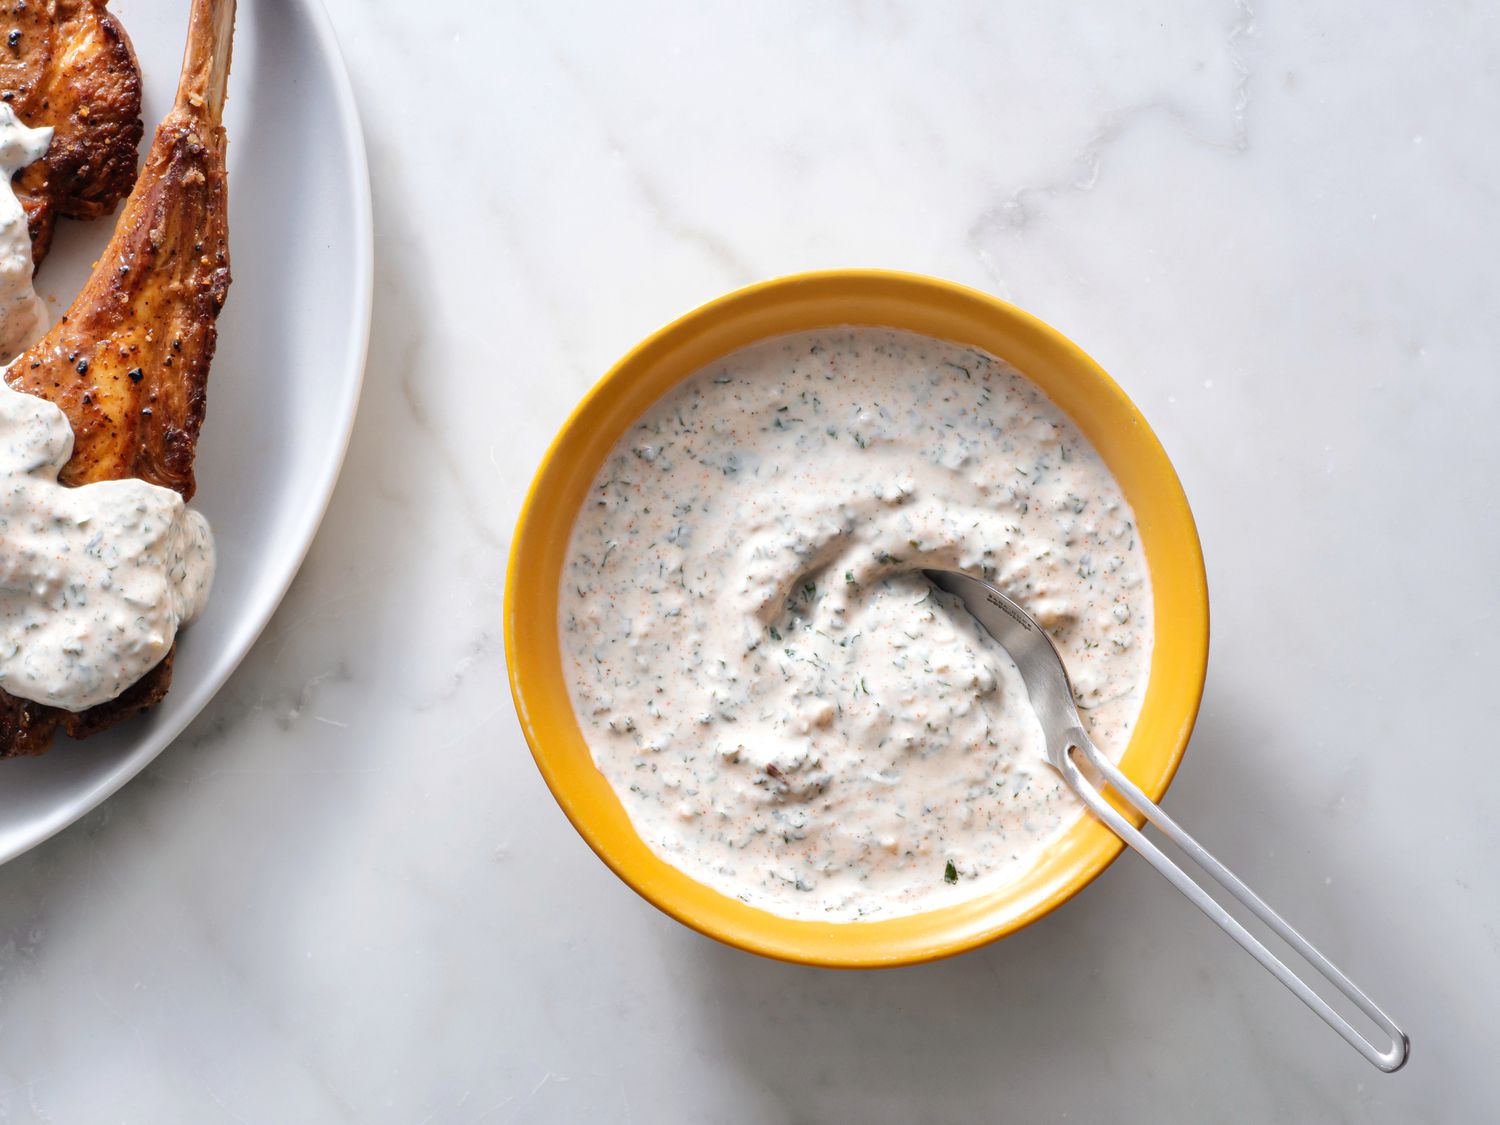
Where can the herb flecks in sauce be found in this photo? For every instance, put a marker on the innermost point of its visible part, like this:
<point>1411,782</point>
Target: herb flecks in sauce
<point>787,711</point>
<point>96,580</point>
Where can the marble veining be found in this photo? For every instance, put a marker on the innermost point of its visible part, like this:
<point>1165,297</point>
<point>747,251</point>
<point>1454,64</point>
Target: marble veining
<point>345,894</point>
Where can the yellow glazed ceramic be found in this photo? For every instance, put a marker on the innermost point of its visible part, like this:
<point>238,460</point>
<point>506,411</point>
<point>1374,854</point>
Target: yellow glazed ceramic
<point>796,304</point>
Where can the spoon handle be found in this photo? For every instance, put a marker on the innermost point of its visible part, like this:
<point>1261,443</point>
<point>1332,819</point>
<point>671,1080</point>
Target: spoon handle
<point>1388,1059</point>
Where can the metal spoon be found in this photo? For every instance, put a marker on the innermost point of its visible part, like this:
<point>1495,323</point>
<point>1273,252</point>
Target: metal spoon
<point>1052,695</point>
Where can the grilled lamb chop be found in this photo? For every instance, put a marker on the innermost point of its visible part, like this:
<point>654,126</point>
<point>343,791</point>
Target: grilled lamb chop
<point>70,65</point>
<point>128,362</point>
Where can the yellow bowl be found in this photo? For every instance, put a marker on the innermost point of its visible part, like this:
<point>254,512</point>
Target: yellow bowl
<point>794,304</point>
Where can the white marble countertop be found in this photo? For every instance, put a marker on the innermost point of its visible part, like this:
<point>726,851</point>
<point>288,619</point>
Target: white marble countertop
<point>345,894</point>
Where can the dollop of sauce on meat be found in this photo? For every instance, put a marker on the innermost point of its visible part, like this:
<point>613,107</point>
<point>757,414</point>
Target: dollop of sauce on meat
<point>95,581</point>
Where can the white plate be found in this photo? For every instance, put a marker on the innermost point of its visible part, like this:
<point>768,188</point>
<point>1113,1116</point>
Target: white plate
<point>285,382</point>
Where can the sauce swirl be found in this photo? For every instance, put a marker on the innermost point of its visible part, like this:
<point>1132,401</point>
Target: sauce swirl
<point>786,711</point>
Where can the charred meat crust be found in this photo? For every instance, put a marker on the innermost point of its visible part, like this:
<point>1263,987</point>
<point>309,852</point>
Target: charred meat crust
<point>69,64</point>
<point>26,728</point>
<point>140,696</point>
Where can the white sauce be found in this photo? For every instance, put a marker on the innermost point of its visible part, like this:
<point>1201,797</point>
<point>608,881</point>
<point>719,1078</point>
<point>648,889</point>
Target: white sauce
<point>23,315</point>
<point>94,581</point>
<point>788,714</point>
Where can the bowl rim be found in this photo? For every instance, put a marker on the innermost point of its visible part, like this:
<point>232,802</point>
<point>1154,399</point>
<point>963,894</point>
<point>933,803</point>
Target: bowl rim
<point>1088,847</point>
